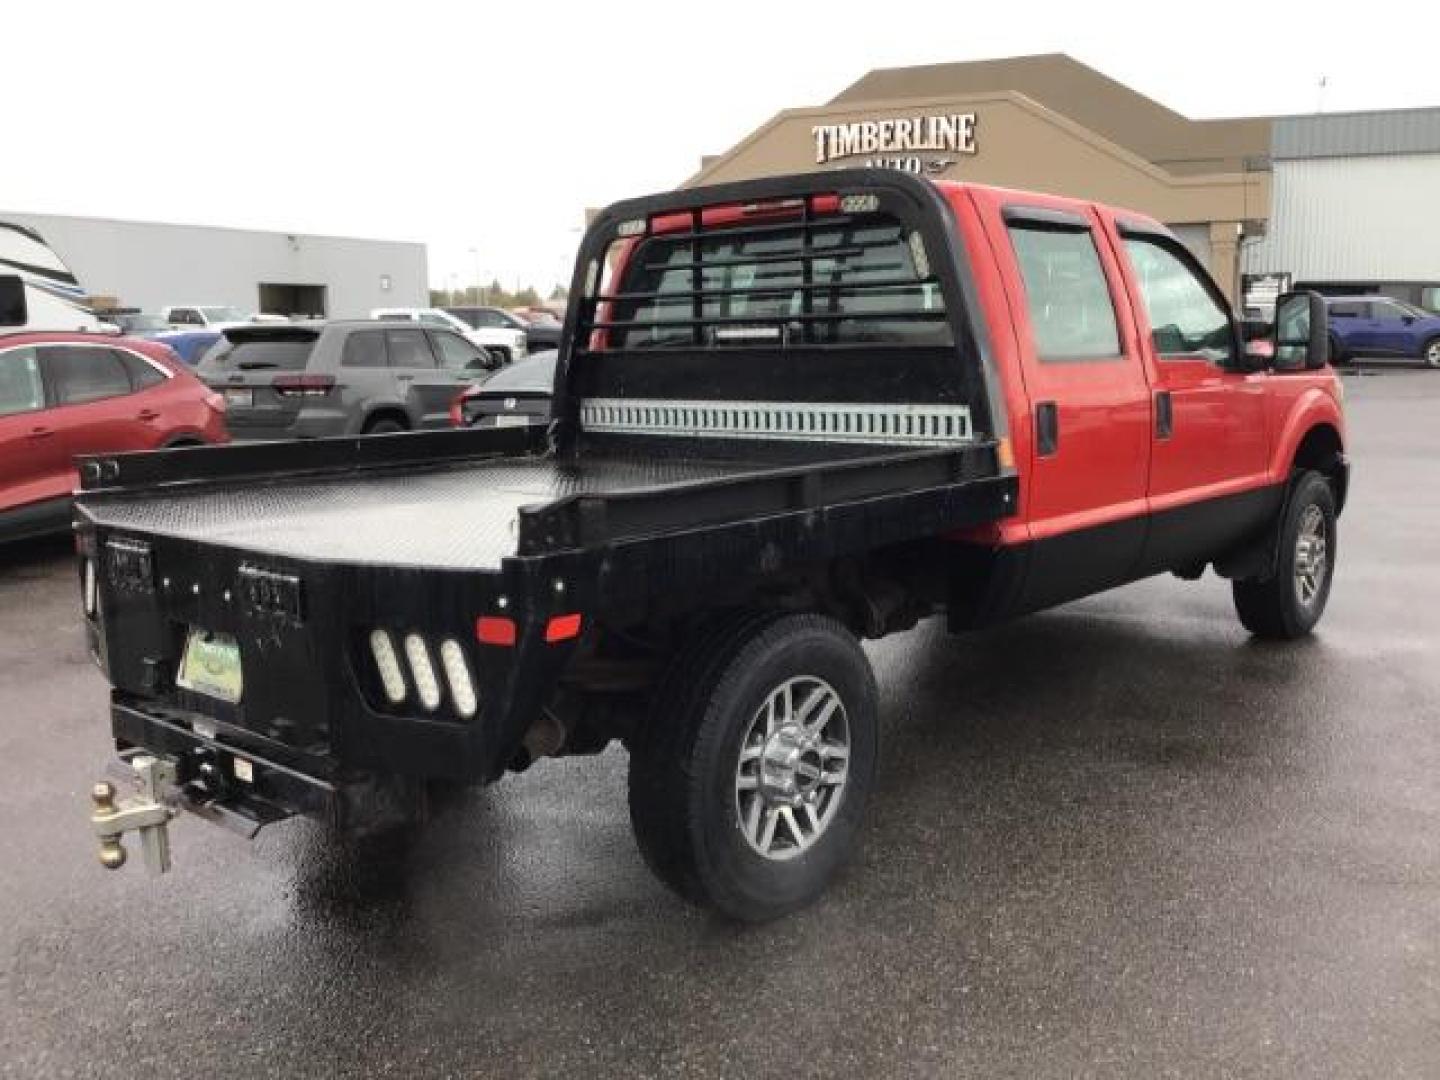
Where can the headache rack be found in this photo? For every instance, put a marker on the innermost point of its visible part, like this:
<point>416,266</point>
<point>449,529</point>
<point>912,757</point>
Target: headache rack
<point>866,275</point>
<point>830,306</point>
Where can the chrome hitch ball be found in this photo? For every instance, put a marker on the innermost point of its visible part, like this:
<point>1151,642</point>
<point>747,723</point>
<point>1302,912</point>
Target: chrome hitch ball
<point>145,812</point>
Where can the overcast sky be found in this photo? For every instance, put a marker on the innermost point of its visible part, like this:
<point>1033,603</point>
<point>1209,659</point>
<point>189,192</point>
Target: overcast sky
<point>458,125</point>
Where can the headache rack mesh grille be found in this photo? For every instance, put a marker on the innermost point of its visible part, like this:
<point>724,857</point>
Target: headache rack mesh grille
<point>814,276</point>
<point>891,424</point>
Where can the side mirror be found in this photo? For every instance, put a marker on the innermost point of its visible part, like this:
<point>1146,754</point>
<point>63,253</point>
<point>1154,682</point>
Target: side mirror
<point>13,310</point>
<point>1302,332</point>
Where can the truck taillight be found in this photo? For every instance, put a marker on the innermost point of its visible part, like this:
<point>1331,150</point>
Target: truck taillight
<point>303,385</point>
<point>457,409</point>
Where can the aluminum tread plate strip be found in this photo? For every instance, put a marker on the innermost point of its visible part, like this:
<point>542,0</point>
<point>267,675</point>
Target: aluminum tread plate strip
<point>460,517</point>
<point>881,423</point>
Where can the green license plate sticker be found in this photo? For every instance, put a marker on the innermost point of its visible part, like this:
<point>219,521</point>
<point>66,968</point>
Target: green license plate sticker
<point>211,666</point>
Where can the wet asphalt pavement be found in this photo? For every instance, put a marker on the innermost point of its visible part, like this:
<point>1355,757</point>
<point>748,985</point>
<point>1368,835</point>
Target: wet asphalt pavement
<point>1118,839</point>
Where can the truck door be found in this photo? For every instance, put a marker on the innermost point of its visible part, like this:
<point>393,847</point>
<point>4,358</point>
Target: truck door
<point>1208,446</point>
<point>1089,402</point>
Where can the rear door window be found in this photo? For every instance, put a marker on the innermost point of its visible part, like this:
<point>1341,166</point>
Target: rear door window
<point>1346,311</point>
<point>409,349</point>
<point>21,388</point>
<point>143,374</point>
<point>79,374</point>
<point>364,349</point>
<point>1071,313</point>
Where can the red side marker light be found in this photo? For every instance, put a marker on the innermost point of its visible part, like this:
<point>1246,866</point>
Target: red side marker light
<point>495,630</point>
<point>562,627</point>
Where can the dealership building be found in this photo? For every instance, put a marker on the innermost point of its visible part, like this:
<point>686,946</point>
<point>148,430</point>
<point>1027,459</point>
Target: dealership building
<point>150,265</point>
<point>1342,200</point>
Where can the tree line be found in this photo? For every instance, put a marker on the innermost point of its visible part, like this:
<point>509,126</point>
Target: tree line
<point>493,295</point>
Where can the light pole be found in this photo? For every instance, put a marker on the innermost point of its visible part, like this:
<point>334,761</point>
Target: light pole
<point>479,278</point>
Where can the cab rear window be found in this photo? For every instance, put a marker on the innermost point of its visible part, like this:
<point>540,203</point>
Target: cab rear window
<point>856,282</point>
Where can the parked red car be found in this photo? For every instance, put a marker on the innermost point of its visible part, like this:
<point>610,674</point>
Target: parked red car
<point>65,394</point>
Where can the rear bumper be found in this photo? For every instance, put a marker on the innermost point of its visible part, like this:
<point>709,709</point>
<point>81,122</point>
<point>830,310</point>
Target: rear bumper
<point>209,781</point>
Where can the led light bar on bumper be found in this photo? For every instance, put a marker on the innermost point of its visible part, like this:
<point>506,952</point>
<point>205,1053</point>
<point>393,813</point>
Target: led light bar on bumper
<point>415,681</point>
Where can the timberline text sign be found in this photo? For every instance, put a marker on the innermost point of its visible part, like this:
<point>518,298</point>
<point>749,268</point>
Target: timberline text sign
<point>953,133</point>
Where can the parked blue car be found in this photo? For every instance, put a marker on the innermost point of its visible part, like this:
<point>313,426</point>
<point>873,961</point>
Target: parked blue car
<point>190,344</point>
<point>1381,326</point>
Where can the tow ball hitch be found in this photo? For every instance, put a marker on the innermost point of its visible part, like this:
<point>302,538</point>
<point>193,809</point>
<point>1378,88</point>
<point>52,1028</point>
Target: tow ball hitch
<point>145,812</point>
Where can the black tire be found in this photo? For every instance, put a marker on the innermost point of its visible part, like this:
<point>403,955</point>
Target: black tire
<point>1430,354</point>
<point>1273,607</point>
<point>684,804</point>
<point>385,425</point>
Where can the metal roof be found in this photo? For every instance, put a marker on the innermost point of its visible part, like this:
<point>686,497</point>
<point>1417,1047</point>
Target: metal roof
<point>1356,134</point>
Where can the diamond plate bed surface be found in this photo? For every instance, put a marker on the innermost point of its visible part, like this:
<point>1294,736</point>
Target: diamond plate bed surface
<point>459,517</point>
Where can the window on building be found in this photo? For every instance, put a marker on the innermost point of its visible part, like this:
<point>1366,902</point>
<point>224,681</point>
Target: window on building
<point>21,389</point>
<point>1071,313</point>
<point>79,374</point>
<point>1187,321</point>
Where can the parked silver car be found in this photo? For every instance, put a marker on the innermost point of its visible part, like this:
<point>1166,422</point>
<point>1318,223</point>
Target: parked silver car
<point>360,377</point>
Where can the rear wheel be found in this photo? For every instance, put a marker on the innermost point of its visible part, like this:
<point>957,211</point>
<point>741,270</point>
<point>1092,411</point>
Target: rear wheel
<point>750,778</point>
<point>1289,603</point>
<point>1431,353</point>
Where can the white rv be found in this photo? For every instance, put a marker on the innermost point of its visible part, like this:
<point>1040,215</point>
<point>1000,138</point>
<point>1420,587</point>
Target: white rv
<point>53,299</point>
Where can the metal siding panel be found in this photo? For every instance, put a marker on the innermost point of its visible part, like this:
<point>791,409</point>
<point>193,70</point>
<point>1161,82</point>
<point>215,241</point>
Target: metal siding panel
<point>1395,131</point>
<point>1352,219</point>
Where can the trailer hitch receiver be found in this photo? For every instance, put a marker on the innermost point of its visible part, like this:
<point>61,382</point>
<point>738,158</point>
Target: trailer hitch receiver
<point>146,812</point>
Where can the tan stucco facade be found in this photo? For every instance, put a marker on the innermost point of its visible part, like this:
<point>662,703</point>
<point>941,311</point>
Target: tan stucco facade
<point>1023,143</point>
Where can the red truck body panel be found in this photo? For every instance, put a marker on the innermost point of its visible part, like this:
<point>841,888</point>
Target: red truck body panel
<point>1234,434</point>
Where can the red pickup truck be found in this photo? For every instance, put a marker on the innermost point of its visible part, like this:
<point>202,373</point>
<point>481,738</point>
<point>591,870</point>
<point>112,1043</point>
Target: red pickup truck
<point>787,414</point>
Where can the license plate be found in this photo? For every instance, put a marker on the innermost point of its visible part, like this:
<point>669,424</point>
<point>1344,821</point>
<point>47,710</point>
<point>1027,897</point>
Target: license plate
<point>242,398</point>
<point>211,666</point>
<point>512,421</point>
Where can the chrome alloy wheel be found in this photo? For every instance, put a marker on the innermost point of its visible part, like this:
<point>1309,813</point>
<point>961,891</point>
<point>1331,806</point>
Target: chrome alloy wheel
<point>1311,556</point>
<point>1432,354</point>
<point>794,760</point>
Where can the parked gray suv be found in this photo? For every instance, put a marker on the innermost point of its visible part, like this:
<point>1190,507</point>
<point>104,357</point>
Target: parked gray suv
<point>359,377</point>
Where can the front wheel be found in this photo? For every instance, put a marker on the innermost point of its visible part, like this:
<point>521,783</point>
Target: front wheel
<point>1289,603</point>
<point>1431,354</point>
<point>750,778</point>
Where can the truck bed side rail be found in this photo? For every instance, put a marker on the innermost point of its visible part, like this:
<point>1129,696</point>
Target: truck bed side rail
<point>205,464</point>
<point>588,521</point>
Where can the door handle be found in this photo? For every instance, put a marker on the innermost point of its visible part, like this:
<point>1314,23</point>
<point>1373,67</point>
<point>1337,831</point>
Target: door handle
<point>41,433</point>
<point>1164,415</point>
<point>404,378</point>
<point>147,414</point>
<point>1047,428</point>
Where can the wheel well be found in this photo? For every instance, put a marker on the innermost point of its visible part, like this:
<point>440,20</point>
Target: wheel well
<point>385,413</point>
<point>1322,450</point>
<point>184,441</point>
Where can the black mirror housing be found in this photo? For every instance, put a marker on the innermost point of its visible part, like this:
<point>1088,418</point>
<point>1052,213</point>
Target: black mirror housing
<point>13,309</point>
<point>1301,334</point>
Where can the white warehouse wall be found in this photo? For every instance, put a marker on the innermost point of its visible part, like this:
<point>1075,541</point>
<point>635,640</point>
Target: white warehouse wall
<point>151,264</point>
<point>1352,219</point>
